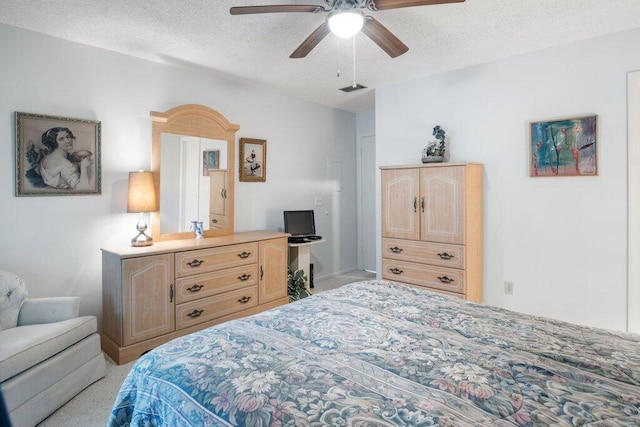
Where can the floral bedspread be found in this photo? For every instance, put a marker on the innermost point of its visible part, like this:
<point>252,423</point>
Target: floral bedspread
<point>376,353</point>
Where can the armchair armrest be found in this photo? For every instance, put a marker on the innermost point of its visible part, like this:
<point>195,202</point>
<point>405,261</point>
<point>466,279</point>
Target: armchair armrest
<point>48,310</point>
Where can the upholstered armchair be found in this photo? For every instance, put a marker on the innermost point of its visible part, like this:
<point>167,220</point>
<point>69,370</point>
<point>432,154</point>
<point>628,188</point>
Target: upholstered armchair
<point>48,353</point>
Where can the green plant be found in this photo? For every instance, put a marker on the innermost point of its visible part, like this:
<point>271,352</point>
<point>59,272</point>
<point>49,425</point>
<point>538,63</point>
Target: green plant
<point>296,285</point>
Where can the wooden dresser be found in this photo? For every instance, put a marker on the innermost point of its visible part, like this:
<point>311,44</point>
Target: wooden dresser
<point>153,294</point>
<point>432,227</point>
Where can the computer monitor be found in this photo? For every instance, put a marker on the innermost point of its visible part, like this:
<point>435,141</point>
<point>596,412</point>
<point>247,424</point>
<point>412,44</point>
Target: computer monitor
<point>299,223</point>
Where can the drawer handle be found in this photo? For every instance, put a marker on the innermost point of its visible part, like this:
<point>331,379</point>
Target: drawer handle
<point>396,270</point>
<point>215,221</point>
<point>422,203</point>
<point>445,279</point>
<point>244,277</point>
<point>195,288</point>
<point>244,254</point>
<point>195,313</point>
<point>396,250</point>
<point>195,263</point>
<point>415,204</point>
<point>445,255</point>
<point>244,300</point>
<point>171,293</point>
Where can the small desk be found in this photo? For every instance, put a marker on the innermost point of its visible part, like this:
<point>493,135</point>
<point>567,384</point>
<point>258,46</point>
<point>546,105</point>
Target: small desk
<point>300,258</point>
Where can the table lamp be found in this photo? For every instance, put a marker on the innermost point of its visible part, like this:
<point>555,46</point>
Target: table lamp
<point>141,198</point>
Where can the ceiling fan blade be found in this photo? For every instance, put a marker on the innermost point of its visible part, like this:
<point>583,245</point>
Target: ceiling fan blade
<point>311,41</point>
<point>246,10</point>
<point>384,38</point>
<point>396,4</point>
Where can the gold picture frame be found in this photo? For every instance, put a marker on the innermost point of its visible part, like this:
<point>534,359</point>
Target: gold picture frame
<point>253,160</point>
<point>57,156</point>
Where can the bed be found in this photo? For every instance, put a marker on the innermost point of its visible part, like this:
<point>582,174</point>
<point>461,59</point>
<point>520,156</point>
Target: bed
<point>378,353</point>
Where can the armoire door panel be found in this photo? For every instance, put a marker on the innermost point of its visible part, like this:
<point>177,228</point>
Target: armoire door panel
<point>400,214</point>
<point>442,205</point>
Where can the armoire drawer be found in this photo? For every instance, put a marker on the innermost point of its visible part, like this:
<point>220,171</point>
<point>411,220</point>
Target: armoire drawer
<point>218,221</point>
<point>446,255</point>
<point>446,279</point>
<point>204,285</point>
<point>202,310</point>
<point>439,291</point>
<point>213,259</point>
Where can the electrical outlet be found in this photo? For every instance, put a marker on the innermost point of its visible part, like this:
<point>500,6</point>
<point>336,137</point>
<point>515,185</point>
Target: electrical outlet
<point>319,201</point>
<point>508,288</point>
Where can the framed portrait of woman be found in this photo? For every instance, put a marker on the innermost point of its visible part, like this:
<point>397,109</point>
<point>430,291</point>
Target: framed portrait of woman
<point>57,156</point>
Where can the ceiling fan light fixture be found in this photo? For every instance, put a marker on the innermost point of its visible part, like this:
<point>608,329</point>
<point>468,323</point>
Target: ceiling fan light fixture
<point>345,23</point>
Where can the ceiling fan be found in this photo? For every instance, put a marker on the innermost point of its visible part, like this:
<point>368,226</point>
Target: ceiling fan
<point>346,19</point>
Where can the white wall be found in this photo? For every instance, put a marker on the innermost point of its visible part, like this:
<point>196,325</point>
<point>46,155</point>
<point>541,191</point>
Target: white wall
<point>562,241</point>
<point>54,242</point>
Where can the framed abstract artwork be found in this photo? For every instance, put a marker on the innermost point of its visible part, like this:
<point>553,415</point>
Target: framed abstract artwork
<point>210,160</point>
<point>253,160</point>
<point>564,147</point>
<point>57,156</point>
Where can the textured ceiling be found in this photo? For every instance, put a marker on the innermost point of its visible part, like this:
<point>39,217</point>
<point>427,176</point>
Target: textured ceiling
<point>255,49</point>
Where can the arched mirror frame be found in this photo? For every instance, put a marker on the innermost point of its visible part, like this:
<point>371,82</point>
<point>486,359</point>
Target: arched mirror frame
<point>199,121</point>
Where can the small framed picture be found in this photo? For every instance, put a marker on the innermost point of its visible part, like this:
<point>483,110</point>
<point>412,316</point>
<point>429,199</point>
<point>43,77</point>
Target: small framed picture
<point>253,160</point>
<point>210,160</point>
<point>564,147</point>
<point>57,156</point>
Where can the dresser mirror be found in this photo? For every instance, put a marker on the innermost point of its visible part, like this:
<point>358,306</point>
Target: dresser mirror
<point>192,159</point>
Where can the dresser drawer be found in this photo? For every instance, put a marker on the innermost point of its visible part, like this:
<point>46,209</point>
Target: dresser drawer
<point>204,285</point>
<point>204,309</point>
<point>446,279</point>
<point>213,259</point>
<point>443,254</point>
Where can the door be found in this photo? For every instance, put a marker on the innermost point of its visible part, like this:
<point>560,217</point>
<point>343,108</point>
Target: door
<point>148,297</point>
<point>273,270</point>
<point>442,207</point>
<point>368,202</point>
<point>400,218</point>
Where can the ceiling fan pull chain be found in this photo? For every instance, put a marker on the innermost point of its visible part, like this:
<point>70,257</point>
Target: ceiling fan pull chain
<point>354,62</point>
<point>337,56</point>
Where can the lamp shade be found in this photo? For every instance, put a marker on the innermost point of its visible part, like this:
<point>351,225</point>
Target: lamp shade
<point>142,192</point>
<point>345,23</point>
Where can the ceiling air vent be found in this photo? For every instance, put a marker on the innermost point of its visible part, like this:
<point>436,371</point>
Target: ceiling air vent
<point>352,88</point>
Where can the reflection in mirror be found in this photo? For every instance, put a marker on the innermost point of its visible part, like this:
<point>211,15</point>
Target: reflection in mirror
<point>192,158</point>
<point>194,172</point>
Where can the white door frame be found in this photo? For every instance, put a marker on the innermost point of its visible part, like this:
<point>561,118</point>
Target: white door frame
<point>633,200</point>
<point>359,212</point>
